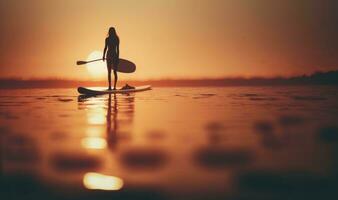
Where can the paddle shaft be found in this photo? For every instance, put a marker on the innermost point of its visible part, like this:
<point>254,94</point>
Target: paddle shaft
<point>93,60</point>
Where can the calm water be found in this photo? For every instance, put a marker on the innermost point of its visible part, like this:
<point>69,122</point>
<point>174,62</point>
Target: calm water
<point>170,143</point>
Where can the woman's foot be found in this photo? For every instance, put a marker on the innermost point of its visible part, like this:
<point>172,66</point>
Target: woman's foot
<point>109,88</point>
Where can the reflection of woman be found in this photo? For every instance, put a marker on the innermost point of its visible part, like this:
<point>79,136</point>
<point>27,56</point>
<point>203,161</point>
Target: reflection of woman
<point>112,43</point>
<point>112,132</point>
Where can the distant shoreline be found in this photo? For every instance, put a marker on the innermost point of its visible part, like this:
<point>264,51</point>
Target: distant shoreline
<point>318,78</point>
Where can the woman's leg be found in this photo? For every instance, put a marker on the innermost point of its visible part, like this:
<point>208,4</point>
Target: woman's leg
<point>109,75</point>
<point>115,78</point>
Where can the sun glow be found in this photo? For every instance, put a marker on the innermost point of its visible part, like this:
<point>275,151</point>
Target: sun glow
<point>98,69</point>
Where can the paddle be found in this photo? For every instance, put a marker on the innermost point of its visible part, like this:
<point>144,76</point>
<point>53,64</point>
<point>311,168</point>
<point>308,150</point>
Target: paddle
<point>80,62</point>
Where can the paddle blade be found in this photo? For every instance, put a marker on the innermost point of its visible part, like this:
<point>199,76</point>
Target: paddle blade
<point>81,62</point>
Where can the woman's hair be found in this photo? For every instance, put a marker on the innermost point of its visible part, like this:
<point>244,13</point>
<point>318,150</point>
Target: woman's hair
<point>112,34</point>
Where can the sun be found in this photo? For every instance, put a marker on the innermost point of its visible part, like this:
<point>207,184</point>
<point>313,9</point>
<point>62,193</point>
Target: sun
<point>98,69</point>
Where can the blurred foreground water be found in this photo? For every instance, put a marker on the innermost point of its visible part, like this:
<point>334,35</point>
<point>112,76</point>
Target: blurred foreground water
<point>170,143</point>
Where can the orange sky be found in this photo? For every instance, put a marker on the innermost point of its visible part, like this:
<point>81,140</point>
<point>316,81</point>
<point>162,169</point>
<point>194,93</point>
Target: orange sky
<point>170,38</point>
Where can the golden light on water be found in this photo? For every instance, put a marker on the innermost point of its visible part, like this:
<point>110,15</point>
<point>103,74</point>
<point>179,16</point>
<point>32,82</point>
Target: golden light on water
<point>97,70</point>
<point>96,117</point>
<point>94,143</point>
<point>97,181</point>
<point>94,131</point>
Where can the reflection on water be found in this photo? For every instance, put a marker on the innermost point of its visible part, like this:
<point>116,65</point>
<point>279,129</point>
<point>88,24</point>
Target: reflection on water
<point>96,181</point>
<point>109,112</point>
<point>94,143</point>
<point>96,117</point>
<point>170,143</point>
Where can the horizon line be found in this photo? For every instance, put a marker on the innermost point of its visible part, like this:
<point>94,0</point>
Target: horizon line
<point>318,78</point>
<point>171,78</point>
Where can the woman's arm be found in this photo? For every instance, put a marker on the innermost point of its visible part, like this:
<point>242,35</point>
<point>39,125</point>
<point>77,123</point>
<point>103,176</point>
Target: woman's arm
<point>104,51</point>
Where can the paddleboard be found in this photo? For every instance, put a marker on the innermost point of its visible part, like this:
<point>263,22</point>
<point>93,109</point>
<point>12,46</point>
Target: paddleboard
<point>104,90</point>
<point>126,66</point>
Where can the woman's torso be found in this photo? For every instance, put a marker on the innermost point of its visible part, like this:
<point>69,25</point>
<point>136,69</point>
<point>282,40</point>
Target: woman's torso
<point>112,46</point>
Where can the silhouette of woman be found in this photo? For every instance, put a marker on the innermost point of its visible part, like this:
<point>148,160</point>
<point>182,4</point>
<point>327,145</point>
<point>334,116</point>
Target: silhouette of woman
<point>112,42</point>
